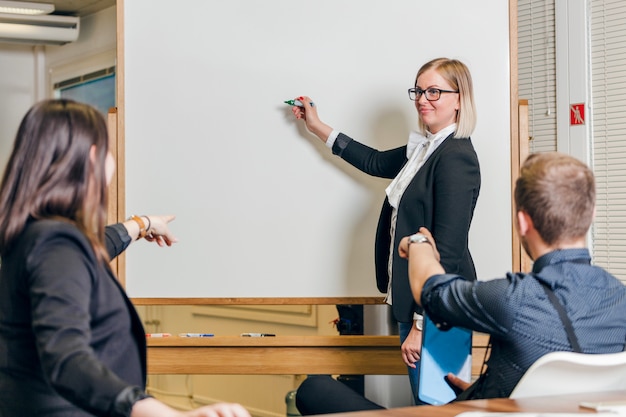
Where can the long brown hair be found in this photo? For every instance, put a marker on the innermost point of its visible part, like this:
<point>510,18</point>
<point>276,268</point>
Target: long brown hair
<point>50,173</point>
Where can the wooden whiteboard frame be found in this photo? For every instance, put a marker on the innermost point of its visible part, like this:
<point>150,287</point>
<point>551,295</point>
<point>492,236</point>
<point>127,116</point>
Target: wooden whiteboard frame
<point>119,200</point>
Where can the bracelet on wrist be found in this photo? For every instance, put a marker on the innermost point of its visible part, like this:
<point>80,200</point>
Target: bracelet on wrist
<point>149,224</point>
<point>141,224</point>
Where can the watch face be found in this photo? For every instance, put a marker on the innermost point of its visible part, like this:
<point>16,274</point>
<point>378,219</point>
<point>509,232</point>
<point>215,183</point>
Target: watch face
<point>418,238</point>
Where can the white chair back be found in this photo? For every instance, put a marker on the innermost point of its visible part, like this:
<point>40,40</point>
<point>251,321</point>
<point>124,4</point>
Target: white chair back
<point>571,373</point>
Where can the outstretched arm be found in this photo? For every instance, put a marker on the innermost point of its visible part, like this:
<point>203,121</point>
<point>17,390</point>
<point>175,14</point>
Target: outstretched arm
<point>423,262</point>
<point>153,228</point>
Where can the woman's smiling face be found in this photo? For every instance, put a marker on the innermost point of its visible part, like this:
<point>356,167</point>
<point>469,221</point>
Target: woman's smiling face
<point>442,112</point>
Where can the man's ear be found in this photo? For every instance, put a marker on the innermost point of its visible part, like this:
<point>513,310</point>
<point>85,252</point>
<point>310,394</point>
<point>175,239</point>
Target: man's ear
<point>524,223</point>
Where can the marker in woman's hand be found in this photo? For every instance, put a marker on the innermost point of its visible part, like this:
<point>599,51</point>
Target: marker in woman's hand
<point>296,103</point>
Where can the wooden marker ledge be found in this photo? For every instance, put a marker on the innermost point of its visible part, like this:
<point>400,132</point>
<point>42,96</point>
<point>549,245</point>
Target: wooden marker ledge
<point>279,355</point>
<point>282,355</point>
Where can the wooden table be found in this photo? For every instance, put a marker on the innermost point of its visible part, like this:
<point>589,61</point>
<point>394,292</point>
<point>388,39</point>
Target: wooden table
<point>550,404</point>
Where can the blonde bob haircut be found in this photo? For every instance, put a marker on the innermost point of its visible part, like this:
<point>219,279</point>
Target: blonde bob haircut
<point>460,79</point>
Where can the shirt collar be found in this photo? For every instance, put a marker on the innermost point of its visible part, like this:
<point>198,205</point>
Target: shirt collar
<point>562,255</point>
<point>416,138</point>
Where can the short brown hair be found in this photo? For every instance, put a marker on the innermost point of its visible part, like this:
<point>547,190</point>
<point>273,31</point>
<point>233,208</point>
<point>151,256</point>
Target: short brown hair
<point>558,193</point>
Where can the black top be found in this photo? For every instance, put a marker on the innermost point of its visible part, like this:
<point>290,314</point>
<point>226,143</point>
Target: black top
<point>441,197</point>
<point>70,339</point>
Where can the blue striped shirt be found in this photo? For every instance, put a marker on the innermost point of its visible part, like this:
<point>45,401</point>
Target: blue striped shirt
<point>522,321</point>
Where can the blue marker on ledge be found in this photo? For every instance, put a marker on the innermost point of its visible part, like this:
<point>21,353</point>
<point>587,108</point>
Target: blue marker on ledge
<point>296,103</point>
<point>195,334</point>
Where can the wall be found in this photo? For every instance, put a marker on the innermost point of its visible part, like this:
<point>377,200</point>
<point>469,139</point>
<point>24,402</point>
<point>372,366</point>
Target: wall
<point>17,92</point>
<point>28,72</point>
<point>94,50</point>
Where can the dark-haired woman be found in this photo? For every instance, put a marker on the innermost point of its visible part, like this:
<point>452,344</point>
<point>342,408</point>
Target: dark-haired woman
<point>71,343</point>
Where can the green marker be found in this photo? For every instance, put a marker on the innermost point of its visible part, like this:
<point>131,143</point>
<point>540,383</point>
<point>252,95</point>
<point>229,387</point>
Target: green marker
<point>296,103</point>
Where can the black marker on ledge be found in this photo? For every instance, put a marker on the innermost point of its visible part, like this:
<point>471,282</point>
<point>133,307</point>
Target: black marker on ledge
<point>257,335</point>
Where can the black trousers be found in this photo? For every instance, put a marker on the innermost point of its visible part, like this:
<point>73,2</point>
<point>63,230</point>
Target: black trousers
<point>321,394</point>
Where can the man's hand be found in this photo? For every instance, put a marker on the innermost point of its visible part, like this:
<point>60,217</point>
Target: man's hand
<point>423,262</point>
<point>457,384</point>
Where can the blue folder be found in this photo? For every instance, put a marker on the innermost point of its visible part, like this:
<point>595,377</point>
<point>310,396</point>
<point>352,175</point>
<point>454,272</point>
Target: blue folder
<point>443,351</point>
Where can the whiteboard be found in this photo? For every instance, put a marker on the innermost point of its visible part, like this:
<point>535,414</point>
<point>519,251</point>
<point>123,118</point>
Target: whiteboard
<point>263,208</point>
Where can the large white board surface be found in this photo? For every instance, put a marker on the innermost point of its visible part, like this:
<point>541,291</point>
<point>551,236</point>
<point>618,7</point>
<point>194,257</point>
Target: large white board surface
<point>263,208</point>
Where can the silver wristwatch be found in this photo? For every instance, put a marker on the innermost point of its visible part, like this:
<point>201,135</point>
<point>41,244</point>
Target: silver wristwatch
<point>418,238</point>
<point>419,321</point>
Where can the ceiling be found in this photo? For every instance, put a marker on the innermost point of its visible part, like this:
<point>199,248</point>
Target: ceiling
<point>78,7</point>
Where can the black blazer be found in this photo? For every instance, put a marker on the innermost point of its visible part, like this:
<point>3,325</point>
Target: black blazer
<point>441,197</point>
<point>70,339</point>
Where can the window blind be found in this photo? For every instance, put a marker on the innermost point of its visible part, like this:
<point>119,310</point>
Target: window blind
<point>537,70</point>
<point>608,117</point>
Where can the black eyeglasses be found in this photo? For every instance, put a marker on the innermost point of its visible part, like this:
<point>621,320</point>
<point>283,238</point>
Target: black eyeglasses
<point>432,94</point>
